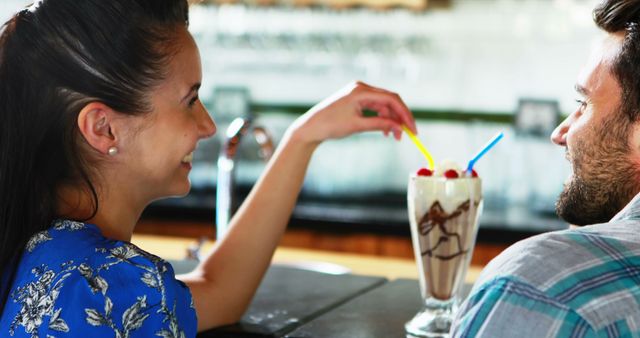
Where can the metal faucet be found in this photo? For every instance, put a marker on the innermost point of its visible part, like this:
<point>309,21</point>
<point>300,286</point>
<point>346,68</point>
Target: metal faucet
<point>226,167</point>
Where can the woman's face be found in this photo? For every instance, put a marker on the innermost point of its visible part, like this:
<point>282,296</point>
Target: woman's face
<point>158,154</point>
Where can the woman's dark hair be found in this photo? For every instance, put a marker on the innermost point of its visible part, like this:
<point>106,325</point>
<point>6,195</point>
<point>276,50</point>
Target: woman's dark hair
<point>56,57</point>
<point>615,16</point>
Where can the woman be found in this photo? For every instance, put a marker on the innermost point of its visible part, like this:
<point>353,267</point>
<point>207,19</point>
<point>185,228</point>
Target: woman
<point>99,116</point>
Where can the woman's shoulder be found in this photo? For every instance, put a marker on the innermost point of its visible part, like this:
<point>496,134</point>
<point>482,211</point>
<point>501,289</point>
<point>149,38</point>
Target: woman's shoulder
<point>79,249</point>
<point>71,242</point>
<point>101,285</point>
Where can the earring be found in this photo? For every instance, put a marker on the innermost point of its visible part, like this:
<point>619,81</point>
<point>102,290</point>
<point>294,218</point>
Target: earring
<point>113,151</point>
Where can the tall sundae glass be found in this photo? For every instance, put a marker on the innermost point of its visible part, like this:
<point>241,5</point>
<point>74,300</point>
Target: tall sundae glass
<point>444,208</point>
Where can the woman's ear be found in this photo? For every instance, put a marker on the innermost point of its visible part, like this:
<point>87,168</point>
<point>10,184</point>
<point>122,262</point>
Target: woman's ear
<point>94,123</point>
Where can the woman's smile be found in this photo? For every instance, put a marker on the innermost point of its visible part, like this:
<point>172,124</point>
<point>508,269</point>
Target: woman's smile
<point>187,160</point>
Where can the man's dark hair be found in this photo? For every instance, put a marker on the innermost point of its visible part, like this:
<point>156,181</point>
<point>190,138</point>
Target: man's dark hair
<point>56,57</point>
<point>615,16</point>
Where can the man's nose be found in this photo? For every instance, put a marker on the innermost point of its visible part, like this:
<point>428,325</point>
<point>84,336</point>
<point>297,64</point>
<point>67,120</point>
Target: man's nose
<point>559,135</point>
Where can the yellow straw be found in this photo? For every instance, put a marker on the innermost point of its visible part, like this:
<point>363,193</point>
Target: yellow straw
<point>418,144</point>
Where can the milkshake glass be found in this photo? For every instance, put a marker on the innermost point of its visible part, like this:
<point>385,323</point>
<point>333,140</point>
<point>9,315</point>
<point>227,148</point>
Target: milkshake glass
<point>443,213</point>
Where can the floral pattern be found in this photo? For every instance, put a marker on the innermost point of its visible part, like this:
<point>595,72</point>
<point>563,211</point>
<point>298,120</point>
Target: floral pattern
<point>68,225</point>
<point>37,299</point>
<point>132,319</point>
<point>150,303</point>
<point>38,238</point>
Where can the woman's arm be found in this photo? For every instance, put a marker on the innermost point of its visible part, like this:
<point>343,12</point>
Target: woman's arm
<point>225,282</point>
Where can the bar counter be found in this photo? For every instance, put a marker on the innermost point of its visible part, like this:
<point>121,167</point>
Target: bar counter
<point>175,248</point>
<point>314,293</point>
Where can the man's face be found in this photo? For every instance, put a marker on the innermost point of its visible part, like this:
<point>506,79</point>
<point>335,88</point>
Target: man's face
<point>600,144</point>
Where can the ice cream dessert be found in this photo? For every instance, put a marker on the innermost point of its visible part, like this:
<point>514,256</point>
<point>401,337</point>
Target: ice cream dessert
<point>443,212</point>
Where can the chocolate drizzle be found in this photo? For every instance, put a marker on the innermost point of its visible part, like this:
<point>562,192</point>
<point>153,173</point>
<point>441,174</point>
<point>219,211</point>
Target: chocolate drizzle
<point>437,217</point>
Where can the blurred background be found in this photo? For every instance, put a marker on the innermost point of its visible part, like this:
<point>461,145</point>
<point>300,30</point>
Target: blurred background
<point>466,68</point>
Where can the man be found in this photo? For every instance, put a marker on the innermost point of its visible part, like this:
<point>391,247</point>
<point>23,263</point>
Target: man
<point>583,282</point>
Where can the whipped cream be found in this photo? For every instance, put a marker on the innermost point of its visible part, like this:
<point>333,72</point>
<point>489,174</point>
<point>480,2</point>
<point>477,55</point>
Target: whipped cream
<point>423,191</point>
<point>446,165</point>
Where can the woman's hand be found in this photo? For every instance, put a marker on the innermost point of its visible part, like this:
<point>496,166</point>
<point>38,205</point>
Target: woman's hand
<point>341,115</point>
<point>226,280</point>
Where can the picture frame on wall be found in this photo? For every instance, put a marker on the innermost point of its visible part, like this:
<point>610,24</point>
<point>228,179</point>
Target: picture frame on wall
<point>537,117</point>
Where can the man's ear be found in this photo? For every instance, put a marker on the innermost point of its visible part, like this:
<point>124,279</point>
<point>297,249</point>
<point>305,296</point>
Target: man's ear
<point>94,123</point>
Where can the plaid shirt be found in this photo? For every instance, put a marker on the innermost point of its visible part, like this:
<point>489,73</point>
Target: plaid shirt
<point>573,283</point>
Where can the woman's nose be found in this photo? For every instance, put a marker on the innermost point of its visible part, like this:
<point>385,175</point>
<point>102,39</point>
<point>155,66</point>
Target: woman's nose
<point>206,125</point>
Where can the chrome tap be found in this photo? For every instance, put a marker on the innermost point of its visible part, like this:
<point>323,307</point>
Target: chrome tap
<point>226,167</point>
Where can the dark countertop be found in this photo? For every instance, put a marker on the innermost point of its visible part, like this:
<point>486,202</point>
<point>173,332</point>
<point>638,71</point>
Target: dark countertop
<point>288,298</point>
<point>386,213</point>
<point>299,303</point>
<point>380,313</point>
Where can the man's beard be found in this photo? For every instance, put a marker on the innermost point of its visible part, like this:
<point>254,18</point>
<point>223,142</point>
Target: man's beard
<point>585,202</point>
<point>605,179</point>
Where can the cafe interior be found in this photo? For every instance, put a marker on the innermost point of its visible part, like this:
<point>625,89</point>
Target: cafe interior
<point>468,70</point>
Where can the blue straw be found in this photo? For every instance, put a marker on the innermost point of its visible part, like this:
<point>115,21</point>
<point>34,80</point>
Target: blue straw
<point>484,150</point>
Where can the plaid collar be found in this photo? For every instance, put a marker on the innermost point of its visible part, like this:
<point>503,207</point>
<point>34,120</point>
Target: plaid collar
<point>630,212</point>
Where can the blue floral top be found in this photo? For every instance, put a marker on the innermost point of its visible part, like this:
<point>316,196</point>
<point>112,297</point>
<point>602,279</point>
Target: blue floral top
<point>74,282</point>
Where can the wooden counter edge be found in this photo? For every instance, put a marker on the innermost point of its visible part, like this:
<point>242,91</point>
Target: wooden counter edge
<point>175,248</point>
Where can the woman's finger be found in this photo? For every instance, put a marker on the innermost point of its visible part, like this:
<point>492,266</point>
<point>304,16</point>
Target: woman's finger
<point>383,111</point>
<point>379,123</point>
<point>396,108</point>
<point>385,92</point>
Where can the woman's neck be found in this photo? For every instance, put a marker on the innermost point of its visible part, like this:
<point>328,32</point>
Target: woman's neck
<point>116,215</point>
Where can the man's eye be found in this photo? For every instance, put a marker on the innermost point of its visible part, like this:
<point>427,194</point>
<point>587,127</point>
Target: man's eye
<point>582,103</point>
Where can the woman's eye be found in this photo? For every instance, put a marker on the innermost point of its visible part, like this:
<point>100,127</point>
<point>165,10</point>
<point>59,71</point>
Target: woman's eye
<point>193,101</point>
<point>582,103</point>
